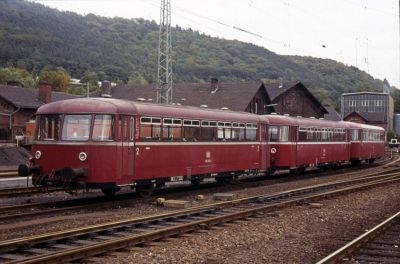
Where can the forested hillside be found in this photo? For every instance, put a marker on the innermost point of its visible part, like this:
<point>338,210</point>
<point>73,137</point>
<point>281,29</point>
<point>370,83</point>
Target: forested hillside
<point>37,38</point>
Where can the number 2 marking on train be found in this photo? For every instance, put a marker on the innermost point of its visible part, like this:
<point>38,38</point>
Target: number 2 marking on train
<point>137,151</point>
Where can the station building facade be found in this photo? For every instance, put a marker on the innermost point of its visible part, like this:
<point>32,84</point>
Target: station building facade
<point>369,108</point>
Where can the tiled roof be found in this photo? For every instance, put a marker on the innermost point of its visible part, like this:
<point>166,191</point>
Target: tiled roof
<point>28,98</point>
<point>235,96</point>
<point>332,114</point>
<point>275,89</point>
<point>370,117</point>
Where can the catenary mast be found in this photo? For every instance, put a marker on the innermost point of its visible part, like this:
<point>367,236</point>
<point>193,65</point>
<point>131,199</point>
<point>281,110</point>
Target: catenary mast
<point>164,71</point>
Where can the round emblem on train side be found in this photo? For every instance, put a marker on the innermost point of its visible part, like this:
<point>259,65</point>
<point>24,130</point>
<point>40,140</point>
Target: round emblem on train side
<point>273,150</point>
<point>82,156</point>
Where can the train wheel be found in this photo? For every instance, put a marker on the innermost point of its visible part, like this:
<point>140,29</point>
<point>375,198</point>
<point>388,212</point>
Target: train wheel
<point>224,180</point>
<point>371,161</point>
<point>294,172</point>
<point>145,190</point>
<point>196,181</point>
<point>110,191</point>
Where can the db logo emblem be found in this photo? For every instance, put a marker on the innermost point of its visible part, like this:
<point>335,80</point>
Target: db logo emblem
<point>273,150</point>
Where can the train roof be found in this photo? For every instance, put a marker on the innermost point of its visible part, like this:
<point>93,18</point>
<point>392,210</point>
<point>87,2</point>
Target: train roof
<point>118,106</point>
<point>312,122</point>
<point>364,126</point>
<point>302,121</point>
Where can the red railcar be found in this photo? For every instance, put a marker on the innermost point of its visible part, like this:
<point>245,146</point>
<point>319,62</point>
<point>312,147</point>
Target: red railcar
<point>109,143</point>
<point>297,143</point>
<point>366,142</point>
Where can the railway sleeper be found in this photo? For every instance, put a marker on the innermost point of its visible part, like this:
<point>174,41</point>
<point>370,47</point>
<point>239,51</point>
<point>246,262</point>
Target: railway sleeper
<point>376,259</point>
<point>379,252</point>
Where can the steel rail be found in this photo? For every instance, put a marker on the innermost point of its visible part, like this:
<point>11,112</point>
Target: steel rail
<point>21,191</point>
<point>60,206</point>
<point>354,245</point>
<point>6,174</point>
<point>74,204</point>
<point>209,215</point>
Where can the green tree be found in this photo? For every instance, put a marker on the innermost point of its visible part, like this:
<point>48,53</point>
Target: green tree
<point>58,79</point>
<point>137,79</point>
<point>390,134</point>
<point>91,78</point>
<point>324,97</point>
<point>11,74</point>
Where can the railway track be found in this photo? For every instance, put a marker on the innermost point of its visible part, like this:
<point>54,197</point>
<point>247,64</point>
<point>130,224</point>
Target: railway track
<point>22,211</point>
<point>6,174</point>
<point>27,191</point>
<point>24,191</point>
<point>80,243</point>
<point>380,244</point>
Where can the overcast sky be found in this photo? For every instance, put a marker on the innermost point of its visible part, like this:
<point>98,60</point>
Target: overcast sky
<point>362,33</point>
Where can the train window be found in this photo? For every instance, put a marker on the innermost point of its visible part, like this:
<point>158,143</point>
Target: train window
<point>132,129</point>
<point>187,122</point>
<point>177,122</point>
<point>191,130</point>
<point>208,130</point>
<point>221,135</point>
<point>145,120</point>
<point>251,132</point>
<point>273,133</point>
<point>324,135</point>
<point>310,134</point>
<point>167,121</point>
<point>150,128</point>
<point>354,135</point>
<point>228,130</point>
<point>172,129</point>
<point>283,133</point>
<point>238,132</point>
<point>302,134</point>
<point>49,127</point>
<point>76,127</point>
<point>103,128</point>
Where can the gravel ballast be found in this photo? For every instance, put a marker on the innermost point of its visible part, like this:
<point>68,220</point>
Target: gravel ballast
<point>300,234</point>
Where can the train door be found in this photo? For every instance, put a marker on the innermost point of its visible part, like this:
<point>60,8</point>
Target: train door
<point>263,150</point>
<point>131,147</point>
<point>293,147</point>
<point>126,148</point>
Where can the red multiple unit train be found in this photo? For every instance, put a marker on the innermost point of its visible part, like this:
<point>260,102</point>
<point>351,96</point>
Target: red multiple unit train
<point>108,143</point>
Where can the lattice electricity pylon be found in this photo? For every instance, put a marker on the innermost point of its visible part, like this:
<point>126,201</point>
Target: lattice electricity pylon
<point>164,71</point>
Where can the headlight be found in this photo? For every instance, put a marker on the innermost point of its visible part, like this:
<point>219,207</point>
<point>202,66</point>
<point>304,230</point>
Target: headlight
<point>38,154</point>
<point>82,156</point>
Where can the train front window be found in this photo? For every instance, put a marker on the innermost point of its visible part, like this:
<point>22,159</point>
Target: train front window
<point>273,133</point>
<point>49,127</point>
<point>76,127</point>
<point>103,128</point>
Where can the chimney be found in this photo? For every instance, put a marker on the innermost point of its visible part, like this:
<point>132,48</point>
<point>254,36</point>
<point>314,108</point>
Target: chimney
<point>44,92</point>
<point>214,85</point>
<point>106,89</point>
<point>280,85</point>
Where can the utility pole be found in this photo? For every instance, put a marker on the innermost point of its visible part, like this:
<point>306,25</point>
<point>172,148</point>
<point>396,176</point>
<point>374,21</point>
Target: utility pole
<point>164,71</point>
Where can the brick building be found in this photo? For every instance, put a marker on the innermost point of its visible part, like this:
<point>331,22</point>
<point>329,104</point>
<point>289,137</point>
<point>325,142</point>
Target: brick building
<point>18,105</point>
